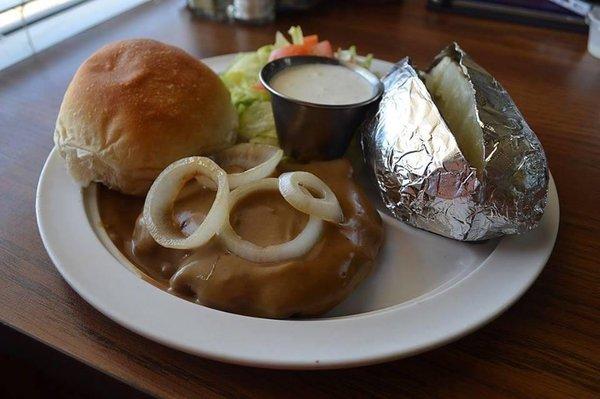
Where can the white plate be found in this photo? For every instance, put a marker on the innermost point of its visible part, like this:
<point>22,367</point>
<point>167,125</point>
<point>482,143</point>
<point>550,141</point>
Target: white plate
<point>426,290</point>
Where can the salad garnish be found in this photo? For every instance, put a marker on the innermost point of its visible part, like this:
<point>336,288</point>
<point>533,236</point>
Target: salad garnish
<point>251,99</point>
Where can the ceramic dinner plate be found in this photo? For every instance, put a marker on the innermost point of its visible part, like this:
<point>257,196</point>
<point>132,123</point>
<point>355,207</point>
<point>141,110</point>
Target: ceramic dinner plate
<point>425,291</point>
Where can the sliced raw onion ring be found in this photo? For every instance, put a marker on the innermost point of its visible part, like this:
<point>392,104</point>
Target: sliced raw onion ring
<point>258,160</point>
<point>158,208</point>
<point>295,186</point>
<point>299,246</point>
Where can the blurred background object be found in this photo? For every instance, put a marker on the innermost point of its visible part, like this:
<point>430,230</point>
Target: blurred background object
<point>593,18</point>
<point>573,15</point>
<point>296,5</point>
<point>252,11</point>
<point>211,9</point>
<point>30,26</point>
<point>249,11</point>
<point>562,14</point>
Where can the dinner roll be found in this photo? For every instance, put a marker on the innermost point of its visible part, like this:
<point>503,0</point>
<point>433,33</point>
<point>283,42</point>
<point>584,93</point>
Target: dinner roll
<point>136,106</point>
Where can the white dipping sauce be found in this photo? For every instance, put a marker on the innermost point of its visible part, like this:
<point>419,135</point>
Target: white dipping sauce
<point>323,84</point>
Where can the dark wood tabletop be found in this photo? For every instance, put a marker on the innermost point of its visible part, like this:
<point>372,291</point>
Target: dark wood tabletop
<point>545,346</point>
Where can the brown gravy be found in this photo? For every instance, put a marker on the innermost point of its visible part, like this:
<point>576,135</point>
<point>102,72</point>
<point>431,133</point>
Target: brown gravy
<point>212,276</point>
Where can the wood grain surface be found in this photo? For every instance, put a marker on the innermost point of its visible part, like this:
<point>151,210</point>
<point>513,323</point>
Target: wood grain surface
<point>545,346</point>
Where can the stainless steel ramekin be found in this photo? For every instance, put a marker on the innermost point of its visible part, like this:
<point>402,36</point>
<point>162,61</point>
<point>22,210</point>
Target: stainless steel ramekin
<point>309,131</point>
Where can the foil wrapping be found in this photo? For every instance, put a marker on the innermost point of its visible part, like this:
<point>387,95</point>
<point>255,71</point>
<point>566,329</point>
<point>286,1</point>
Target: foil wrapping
<point>424,179</point>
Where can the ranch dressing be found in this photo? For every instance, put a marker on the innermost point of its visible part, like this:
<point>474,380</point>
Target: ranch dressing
<point>323,84</point>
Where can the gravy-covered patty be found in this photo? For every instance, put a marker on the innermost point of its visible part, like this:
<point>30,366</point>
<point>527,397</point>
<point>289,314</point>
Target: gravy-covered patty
<point>210,275</point>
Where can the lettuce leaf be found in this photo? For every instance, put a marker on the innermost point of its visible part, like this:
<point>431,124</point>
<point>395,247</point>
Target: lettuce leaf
<point>257,121</point>
<point>296,35</point>
<point>350,55</point>
<point>280,41</point>
<point>249,98</point>
<point>265,139</point>
<point>242,78</point>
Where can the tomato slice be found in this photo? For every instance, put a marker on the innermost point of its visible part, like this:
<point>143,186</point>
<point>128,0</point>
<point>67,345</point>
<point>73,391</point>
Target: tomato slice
<point>310,47</point>
<point>310,41</point>
<point>322,49</point>
<point>289,51</point>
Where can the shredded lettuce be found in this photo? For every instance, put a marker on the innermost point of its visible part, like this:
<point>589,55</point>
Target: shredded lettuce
<point>256,122</point>
<point>243,91</point>
<point>251,100</point>
<point>242,78</point>
<point>296,35</point>
<point>349,55</point>
<point>280,41</point>
<point>367,61</point>
<point>265,139</point>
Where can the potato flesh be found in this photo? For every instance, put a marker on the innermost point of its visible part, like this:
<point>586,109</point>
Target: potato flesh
<point>454,97</point>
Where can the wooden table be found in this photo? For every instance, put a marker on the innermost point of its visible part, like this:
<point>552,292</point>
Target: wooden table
<point>547,345</point>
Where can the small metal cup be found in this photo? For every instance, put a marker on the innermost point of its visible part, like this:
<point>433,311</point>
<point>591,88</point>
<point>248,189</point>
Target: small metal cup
<point>309,131</point>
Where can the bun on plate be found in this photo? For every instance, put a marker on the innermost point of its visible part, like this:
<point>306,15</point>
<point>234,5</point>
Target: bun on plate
<point>135,107</point>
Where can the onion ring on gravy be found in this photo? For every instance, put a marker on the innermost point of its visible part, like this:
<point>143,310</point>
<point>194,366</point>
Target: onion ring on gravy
<point>295,188</point>
<point>297,247</point>
<point>258,160</point>
<point>158,208</point>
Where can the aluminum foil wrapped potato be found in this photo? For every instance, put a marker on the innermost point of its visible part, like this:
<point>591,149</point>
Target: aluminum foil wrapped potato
<point>452,154</point>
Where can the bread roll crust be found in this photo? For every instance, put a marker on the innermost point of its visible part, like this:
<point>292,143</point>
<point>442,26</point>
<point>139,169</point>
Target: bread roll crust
<point>136,106</point>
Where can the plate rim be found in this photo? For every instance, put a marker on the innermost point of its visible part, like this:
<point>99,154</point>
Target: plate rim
<point>316,350</point>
